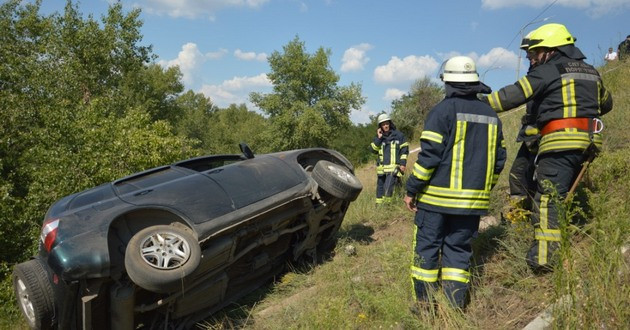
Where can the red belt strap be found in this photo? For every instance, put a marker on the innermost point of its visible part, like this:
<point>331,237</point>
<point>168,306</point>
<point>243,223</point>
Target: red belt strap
<point>558,124</point>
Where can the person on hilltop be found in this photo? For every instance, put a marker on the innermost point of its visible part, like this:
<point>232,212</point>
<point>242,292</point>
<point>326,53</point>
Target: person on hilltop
<point>623,50</point>
<point>462,153</point>
<point>569,96</point>
<point>611,55</point>
<point>392,150</point>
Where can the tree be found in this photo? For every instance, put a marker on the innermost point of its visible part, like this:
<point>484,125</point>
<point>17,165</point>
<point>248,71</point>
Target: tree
<point>78,104</point>
<point>236,124</point>
<point>409,111</point>
<point>307,108</point>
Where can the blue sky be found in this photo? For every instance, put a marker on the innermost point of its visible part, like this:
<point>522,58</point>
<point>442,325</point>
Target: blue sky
<point>221,46</point>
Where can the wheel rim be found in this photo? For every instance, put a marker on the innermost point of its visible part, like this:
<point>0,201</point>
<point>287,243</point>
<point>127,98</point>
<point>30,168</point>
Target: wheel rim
<point>25,302</point>
<point>342,174</point>
<point>165,250</point>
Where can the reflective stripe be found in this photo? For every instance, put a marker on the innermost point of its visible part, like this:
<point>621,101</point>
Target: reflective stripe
<point>544,213</point>
<point>457,164</point>
<point>427,275</point>
<point>454,203</point>
<point>374,146</point>
<point>492,146</point>
<point>503,143</point>
<point>454,274</point>
<point>421,172</point>
<point>568,98</point>
<point>379,200</point>
<point>526,86</point>
<point>567,140</point>
<point>406,144</point>
<point>393,149</point>
<point>457,193</point>
<point>413,261</point>
<point>542,252</point>
<point>548,235</point>
<point>494,101</point>
<point>432,136</point>
<point>580,76</point>
<point>495,178</point>
<point>481,119</point>
<point>389,168</point>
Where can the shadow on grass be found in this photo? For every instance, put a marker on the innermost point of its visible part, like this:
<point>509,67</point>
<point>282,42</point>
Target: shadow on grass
<point>358,233</point>
<point>486,245</point>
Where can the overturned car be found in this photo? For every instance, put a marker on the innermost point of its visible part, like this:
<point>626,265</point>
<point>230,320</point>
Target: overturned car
<point>169,246</point>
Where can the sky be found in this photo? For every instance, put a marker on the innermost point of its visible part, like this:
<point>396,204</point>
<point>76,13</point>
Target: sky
<point>221,46</point>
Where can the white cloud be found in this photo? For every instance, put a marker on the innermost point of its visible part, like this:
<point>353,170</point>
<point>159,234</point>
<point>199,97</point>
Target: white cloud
<point>250,56</point>
<point>393,93</point>
<point>407,69</point>
<point>236,90</point>
<point>216,55</point>
<point>189,60</point>
<point>361,116</point>
<point>498,57</point>
<point>195,8</point>
<point>595,8</point>
<point>354,58</point>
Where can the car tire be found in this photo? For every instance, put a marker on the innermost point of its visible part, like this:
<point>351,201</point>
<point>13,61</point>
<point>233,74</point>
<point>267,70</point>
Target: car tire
<point>337,180</point>
<point>158,258</point>
<point>34,294</point>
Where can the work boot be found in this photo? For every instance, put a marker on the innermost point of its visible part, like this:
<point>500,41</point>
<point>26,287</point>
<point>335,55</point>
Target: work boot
<point>456,292</point>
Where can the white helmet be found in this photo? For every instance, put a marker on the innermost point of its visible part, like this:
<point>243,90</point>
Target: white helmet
<point>383,118</point>
<point>460,69</point>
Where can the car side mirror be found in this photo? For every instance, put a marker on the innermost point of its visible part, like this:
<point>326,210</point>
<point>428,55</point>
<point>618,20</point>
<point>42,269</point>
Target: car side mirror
<point>247,152</point>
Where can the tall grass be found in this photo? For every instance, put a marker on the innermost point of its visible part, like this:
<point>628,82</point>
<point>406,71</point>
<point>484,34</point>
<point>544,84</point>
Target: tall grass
<point>372,288</point>
<point>595,273</point>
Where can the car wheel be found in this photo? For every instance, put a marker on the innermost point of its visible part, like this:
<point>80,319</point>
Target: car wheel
<point>158,258</point>
<point>337,180</point>
<point>34,294</point>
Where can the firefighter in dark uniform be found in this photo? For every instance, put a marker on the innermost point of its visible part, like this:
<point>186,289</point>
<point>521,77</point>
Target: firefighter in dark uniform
<point>462,153</point>
<point>521,178</point>
<point>569,96</point>
<point>392,150</point>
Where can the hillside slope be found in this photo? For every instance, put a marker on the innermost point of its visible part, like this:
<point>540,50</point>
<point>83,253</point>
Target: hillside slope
<point>367,283</point>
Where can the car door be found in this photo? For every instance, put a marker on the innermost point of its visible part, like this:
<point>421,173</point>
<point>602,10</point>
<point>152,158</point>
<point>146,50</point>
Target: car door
<point>191,193</point>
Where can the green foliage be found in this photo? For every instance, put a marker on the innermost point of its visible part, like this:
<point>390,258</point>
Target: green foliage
<point>306,108</point>
<point>409,111</point>
<point>233,125</point>
<point>354,142</point>
<point>79,106</point>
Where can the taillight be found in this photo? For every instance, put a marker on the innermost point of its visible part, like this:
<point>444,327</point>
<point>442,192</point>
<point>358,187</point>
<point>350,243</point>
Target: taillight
<point>49,233</point>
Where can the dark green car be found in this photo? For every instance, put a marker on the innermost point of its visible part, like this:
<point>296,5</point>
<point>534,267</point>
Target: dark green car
<point>171,245</point>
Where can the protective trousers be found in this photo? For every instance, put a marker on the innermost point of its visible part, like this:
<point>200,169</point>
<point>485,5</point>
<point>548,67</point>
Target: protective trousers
<point>385,187</point>
<point>521,179</point>
<point>447,236</point>
<point>560,169</point>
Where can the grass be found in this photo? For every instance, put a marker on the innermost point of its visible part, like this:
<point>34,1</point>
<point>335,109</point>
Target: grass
<point>372,289</point>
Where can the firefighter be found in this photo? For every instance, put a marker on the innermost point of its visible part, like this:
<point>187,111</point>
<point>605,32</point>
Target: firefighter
<point>392,150</point>
<point>462,153</point>
<point>521,178</point>
<point>569,96</point>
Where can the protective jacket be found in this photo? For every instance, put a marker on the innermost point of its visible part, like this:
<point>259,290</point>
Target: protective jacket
<point>462,154</point>
<point>568,93</point>
<point>392,150</point>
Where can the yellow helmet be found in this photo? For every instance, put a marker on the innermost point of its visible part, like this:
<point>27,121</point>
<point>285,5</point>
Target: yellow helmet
<point>550,36</point>
<point>525,41</point>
